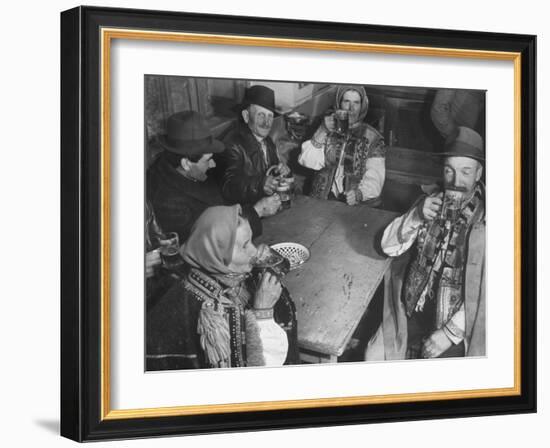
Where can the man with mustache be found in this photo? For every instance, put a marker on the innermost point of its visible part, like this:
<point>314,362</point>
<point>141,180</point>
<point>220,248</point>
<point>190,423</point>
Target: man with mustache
<point>437,309</point>
<point>179,185</point>
<point>250,152</point>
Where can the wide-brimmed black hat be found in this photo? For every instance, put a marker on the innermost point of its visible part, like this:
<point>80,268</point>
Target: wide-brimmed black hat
<point>464,142</point>
<point>187,134</point>
<point>259,95</point>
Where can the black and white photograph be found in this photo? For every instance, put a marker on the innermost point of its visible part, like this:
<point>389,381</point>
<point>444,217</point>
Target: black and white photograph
<point>275,223</point>
<point>293,223</point>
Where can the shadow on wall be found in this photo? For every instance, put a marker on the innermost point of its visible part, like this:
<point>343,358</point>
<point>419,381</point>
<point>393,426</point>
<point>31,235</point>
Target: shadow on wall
<point>51,426</point>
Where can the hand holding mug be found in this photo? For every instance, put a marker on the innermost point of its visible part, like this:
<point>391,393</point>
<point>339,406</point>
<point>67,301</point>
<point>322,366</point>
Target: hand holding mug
<point>353,197</point>
<point>268,292</point>
<point>270,185</point>
<point>283,169</point>
<point>431,207</point>
<point>268,206</point>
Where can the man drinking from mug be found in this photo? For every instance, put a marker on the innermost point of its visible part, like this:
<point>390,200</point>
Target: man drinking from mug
<point>436,306</point>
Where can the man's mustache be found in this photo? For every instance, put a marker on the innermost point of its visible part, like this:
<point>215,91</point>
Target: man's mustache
<point>456,188</point>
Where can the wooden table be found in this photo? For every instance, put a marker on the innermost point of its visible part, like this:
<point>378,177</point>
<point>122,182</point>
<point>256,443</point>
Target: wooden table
<point>334,288</point>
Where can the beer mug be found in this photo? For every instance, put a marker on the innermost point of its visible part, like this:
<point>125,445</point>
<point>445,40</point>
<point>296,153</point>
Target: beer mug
<point>341,121</point>
<point>284,190</point>
<point>272,262</point>
<point>169,250</point>
<point>452,203</point>
<point>284,187</point>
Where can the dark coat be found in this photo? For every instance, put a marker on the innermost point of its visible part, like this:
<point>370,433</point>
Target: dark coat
<point>178,202</point>
<point>173,341</point>
<point>242,166</point>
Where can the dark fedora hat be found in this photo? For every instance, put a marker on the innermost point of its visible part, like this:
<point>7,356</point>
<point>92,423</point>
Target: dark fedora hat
<point>187,134</point>
<point>464,142</point>
<point>259,95</point>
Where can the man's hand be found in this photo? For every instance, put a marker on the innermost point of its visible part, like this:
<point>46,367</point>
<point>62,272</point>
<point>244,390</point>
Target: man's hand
<point>329,122</point>
<point>268,206</point>
<point>152,259</point>
<point>270,185</point>
<point>436,344</point>
<point>353,197</point>
<point>268,292</point>
<point>432,206</point>
<point>283,169</point>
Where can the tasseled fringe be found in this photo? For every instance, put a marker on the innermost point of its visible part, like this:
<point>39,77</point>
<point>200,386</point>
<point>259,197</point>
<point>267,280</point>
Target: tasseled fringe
<point>213,329</point>
<point>254,348</point>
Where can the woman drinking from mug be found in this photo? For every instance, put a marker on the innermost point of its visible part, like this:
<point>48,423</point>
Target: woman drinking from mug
<point>347,154</point>
<point>219,315</point>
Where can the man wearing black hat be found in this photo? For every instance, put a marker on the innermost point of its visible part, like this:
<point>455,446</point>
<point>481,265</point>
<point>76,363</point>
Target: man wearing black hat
<point>435,303</point>
<point>250,152</point>
<point>178,186</point>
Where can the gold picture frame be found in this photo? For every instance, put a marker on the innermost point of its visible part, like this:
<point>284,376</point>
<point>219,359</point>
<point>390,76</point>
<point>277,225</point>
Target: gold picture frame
<point>99,420</point>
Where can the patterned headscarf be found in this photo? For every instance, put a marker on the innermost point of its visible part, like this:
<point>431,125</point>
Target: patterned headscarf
<point>210,244</point>
<point>362,93</point>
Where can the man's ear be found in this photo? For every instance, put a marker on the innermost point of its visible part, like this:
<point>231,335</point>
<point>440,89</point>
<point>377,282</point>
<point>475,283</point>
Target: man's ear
<point>246,115</point>
<point>185,163</point>
<point>479,171</point>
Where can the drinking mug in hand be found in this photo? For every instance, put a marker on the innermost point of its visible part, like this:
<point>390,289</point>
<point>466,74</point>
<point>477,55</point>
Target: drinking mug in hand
<point>169,250</point>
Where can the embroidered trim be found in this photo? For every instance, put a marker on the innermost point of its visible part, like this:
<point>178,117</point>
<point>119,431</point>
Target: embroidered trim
<point>236,340</point>
<point>263,313</point>
<point>254,347</point>
<point>205,284</point>
<point>436,272</point>
<point>221,327</point>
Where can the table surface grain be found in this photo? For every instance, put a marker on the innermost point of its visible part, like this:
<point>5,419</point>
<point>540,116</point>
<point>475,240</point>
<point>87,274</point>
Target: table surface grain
<point>333,289</point>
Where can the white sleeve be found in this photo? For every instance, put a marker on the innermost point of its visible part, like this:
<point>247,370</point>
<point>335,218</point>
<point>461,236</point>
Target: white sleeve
<point>373,180</point>
<point>455,328</point>
<point>274,342</point>
<point>401,233</point>
<point>312,157</point>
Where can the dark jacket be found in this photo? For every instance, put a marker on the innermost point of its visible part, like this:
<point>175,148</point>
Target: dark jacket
<point>173,339</point>
<point>242,166</point>
<point>178,202</point>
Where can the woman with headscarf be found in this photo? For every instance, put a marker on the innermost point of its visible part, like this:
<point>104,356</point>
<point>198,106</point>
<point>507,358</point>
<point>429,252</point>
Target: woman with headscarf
<point>217,316</point>
<point>352,164</point>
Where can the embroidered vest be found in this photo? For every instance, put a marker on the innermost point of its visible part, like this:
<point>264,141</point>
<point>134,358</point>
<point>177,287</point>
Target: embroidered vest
<point>437,271</point>
<point>362,142</point>
<point>221,324</point>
